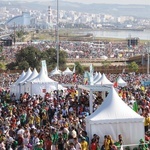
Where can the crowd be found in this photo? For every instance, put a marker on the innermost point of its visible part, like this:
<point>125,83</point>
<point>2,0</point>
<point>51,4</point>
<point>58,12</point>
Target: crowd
<point>57,120</point>
<point>79,49</point>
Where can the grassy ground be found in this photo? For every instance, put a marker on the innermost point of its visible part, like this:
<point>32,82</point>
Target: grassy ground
<point>69,34</point>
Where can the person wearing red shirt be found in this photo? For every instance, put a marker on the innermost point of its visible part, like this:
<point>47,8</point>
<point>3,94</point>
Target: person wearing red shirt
<point>48,143</point>
<point>93,144</point>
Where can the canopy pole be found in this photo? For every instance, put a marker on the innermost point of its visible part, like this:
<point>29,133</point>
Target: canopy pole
<point>103,95</point>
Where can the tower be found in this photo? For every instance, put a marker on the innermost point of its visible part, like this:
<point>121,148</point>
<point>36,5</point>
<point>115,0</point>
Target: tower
<point>49,14</point>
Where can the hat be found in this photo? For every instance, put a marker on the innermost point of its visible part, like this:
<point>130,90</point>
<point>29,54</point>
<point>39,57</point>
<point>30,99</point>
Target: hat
<point>142,140</point>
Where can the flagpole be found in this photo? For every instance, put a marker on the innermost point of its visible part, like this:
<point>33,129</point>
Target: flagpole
<point>57,36</point>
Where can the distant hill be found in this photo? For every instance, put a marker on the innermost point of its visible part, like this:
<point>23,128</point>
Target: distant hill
<point>142,11</point>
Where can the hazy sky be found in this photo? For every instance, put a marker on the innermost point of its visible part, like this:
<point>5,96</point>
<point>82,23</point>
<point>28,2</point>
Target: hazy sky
<point>147,2</point>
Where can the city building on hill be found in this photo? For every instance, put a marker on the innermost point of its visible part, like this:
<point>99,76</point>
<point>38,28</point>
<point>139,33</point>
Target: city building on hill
<point>21,20</point>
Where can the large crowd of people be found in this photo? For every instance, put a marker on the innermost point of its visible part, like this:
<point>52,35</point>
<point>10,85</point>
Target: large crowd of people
<point>79,49</point>
<point>57,120</point>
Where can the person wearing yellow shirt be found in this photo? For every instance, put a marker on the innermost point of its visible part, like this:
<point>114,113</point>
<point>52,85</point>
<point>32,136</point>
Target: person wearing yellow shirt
<point>31,119</point>
<point>37,120</point>
<point>146,122</point>
<point>44,118</point>
<point>84,144</point>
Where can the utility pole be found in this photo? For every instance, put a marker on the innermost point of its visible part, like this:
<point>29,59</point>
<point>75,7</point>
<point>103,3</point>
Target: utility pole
<point>148,58</point>
<point>14,33</point>
<point>57,36</point>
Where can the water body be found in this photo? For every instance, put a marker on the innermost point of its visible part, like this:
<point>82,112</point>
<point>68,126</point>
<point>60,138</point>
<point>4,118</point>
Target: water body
<point>121,34</point>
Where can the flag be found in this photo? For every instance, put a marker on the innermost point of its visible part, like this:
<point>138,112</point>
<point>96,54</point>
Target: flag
<point>116,83</point>
<point>91,68</point>
<point>74,78</point>
<point>44,66</point>
<point>135,106</point>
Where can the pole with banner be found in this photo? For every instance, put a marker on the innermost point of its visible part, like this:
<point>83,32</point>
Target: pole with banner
<point>44,66</point>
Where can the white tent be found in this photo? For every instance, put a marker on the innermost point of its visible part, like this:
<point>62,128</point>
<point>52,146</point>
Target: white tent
<point>14,88</point>
<point>115,117</point>
<point>121,82</point>
<point>103,81</point>
<point>21,83</point>
<point>31,77</point>
<point>41,84</point>
<point>67,72</point>
<point>97,78</point>
<point>95,75</point>
<point>55,72</point>
<point>60,87</point>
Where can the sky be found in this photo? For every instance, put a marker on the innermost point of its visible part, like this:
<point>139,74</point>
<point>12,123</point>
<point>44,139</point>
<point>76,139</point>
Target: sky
<point>145,2</point>
<point>139,2</point>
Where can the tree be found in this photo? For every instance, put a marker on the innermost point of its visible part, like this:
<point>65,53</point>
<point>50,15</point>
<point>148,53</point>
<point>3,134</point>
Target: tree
<point>2,66</point>
<point>133,67</point>
<point>11,66</point>
<point>31,57</point>
<point>106,63</point>
<point>1,48</point>
<point>79,68</point>
<point>50,56</point>
<point>24,65</point>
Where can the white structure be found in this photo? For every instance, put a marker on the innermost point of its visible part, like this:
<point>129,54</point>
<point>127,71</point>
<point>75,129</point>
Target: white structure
<point>95,75</point>
<point>22,82</point>
<point>67,72</point>
<point>121,82</point>
<point>55,72</point>
<point>91,89</point>
<point>31,77</point>
<point>41,84</point>
<point>115,117</point>
<point>21,20</point>
<point>103,81</point>
<point>97,78</point>
<point>14,88</point>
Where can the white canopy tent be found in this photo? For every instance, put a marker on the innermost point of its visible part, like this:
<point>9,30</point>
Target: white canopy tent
<point>91,89</point>
<point>121,82</point>
<point>21,83</point>
<point>31,77</point>
<point>95,75</point>
<point>55,72</point>
<point>14,88</point>
<point>41,84</point>
<point>67,72</point>
<point>60,87</point>
<point>103,81</point>
<point>97,78</point>
<point>115,117</point>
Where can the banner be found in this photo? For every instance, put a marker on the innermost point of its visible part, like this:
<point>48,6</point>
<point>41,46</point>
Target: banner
<point>44,66</point>
<point>91,74</point>
<point>86,77</point>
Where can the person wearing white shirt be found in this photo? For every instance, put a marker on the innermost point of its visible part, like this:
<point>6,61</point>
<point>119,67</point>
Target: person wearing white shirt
<point>77,144</point>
